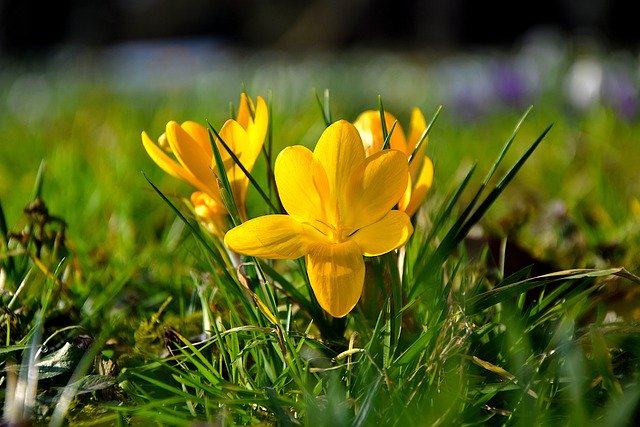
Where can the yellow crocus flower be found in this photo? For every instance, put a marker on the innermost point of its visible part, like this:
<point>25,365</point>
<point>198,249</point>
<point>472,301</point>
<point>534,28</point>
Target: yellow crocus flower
<point>339,207</point>
<point>369,124</point>
<point>192,158</point>
<point>210,213</point>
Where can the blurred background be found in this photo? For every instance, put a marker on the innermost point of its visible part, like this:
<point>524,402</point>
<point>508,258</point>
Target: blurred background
<point>29,26</point>
<point>474,55</point>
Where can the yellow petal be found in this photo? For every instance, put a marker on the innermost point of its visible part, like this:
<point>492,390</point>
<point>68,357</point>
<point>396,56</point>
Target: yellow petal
<point>198,198</point>
<point>258,129</point>
<point>340,152</point>
<point>369,125</point>
<point>417,126</point>
<point>247,151</point>
<point>239,189</point>
<point>193,158</point>
<point>212,215</point>
<point>237,138</point>
<point>165,162</point>
<point>269,236</point>
<point>200,135</point>
<point>406,197</point>
<point>254,119</point>
<point>226,133</point>
<point>246,111</point>
<point>383,236</point>
<point>302,184</point>
<point>375,188</point>
<point>421,187</point>
<point>336,274</point>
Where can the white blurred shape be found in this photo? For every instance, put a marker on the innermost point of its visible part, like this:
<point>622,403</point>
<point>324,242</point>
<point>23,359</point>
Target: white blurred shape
<point>583,83</point>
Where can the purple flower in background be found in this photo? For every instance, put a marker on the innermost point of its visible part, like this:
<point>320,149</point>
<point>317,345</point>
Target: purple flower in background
<point>510,84</point>
<point>619,90</point>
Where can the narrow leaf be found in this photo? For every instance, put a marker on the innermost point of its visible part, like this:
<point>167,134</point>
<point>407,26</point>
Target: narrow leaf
<point>4,242</point>
<point>223,180</point>
<point>37,187</point>
<point>496,295</point>
<point>426,132</point>
<point>325,107</point>
<point>223,175</point>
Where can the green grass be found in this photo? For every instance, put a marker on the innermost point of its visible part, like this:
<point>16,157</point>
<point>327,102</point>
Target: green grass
<point>140,319</point>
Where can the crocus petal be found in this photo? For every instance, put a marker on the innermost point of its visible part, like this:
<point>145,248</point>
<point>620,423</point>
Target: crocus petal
<point>165,162</point>
<point>254,120</point>
<point>200,135</point>
<point>340,152</point>
<point>369,125</point>
<point>246,111</point>
<point>302,183</point>
<point>269,236</point>
<point>336,274</point>
<point>383,236</point>
<point>237,139</point>
<point>246,151</point>
<point>406,197</point>
<point>239,189</point>
<point>258,129</point>
<point>421,187</point>
<point>212,215</point>
<point>417,126</point>
<point>192,157</point>
<point>375,188</point>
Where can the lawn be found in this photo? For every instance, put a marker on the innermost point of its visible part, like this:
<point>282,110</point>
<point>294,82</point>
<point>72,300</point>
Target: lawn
<point>515,301</point>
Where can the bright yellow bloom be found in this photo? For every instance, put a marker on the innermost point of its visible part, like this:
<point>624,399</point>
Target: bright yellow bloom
<point>339,204</point>
<point>194,162</point>
<point>210,213</point>
<point>369,125</point>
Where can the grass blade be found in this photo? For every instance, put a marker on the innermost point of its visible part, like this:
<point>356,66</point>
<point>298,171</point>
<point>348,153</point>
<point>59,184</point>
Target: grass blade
<point>426,132</point>
<point>222,175</point>
<point>473,214</point>
<point>37,187</point>
<point>501,294</point>
<point>7,261</point>
<point>223,180</point>
<point>325,107</point>
<point>193,228</point>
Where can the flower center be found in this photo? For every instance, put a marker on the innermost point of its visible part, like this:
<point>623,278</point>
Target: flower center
<point>335,233</point>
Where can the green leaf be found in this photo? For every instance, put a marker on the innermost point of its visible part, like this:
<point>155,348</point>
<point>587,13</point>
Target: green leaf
<point>390,263</point>
<point>386,135</point>
<point>7,261</point>
<point>366,407</point>
<point>223,180</point>
<point>422,267</point>
<point>195,230</point>
<point>284,419</point>
<point>325,107</point>
<point>416,347</point>
<point>91,383</point>
<point>37,187</point>
<point>59,362</point>
<point>267,150</point>
<point>501,294</point>
<point>229,281</point>
<point>222,175</point>
<point>473,213</point>
<point>426,132</point>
